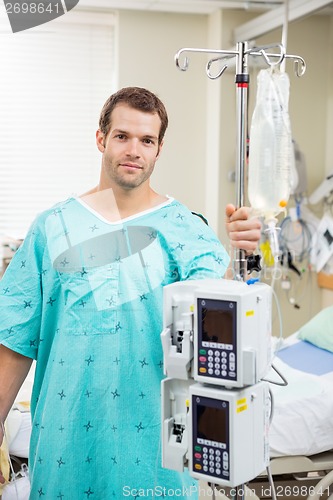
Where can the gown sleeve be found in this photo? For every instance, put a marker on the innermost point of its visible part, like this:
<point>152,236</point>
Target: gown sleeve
<point>197,250</point>
<point>21,296</point>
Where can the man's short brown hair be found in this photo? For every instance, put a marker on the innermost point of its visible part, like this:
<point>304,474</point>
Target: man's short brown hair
<point>137,98</point>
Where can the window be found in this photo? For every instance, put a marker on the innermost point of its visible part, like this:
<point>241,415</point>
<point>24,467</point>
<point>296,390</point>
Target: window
<point>54,81</point>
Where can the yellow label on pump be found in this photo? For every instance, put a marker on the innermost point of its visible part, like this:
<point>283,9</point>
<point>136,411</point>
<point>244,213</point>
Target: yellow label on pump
<point>241,405</point>
<point>249,313</point>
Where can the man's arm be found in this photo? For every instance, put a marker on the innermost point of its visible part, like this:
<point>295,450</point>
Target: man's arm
<point>13,370</point>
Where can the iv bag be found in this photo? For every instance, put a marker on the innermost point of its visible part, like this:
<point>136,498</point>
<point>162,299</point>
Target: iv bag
<point>271,149</point>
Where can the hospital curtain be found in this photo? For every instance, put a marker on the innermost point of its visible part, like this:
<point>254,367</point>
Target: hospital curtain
<point>53,82</point>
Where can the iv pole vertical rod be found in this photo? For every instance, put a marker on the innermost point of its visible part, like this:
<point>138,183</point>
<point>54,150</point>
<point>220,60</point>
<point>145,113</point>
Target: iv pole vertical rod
<point>242,83</point>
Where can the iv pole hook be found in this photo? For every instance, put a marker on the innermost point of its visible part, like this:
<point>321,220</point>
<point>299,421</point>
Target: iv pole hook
<point>219,73</point>
<point>299,64</point>
<point>184,66</point>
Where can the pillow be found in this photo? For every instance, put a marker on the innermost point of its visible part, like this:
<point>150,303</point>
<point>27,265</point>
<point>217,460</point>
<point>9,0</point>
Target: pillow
<point>319,330</point>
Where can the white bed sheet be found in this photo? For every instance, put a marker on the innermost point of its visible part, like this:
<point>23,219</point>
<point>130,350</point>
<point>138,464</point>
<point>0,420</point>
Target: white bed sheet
<point>302,422</point>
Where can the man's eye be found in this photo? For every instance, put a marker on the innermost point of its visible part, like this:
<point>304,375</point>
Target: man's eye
<point>148,141</point>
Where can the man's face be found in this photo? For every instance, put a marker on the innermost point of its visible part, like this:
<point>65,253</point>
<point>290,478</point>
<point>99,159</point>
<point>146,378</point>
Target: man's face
<point>130,149</point>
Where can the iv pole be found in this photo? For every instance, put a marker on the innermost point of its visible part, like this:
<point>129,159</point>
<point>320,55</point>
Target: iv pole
<point>242,83</point>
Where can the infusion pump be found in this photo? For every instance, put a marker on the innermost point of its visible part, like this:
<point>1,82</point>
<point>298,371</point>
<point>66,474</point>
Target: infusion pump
<point>220,435</point>
<point>217,331</point>
<point>216,342</point>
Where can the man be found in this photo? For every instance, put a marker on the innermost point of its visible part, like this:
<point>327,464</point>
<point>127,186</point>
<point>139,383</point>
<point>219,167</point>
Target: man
<point>83,296</point>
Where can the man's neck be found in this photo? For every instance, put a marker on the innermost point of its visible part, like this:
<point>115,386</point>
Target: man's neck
<point>117,204</point>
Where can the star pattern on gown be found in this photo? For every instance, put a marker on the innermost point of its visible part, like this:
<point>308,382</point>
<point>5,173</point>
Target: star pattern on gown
<point>57,212</point>
<point>88,426</point>
<point>83,272</point>
<point>89,360</point>
<point>62,394</point>
<point>139,427</point>
<point>115,394</point>
<point>152,235</point>
<point>143,362</point>
<point>111,301</point>
<point>89,492</point>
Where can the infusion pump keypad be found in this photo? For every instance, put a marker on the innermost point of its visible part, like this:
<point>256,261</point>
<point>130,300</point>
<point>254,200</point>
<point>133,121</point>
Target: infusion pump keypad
<point>217,362</point>
<point>211,458</point>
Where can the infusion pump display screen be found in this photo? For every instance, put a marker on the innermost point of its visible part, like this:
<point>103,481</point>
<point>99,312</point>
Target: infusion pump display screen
<point>217,323</point>
<point>210,426</point>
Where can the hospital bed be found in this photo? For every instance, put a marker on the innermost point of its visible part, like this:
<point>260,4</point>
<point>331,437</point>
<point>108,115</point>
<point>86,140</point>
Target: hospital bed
<point>301,430</point>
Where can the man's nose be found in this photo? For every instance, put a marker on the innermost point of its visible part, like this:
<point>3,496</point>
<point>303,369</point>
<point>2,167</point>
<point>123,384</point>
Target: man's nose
<point>133,148</point>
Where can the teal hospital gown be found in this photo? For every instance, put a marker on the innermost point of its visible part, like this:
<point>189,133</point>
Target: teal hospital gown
<point>83,297</point>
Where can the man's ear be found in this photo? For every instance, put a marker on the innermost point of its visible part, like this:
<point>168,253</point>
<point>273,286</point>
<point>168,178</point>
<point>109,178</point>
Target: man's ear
<point>159,149</point>
<point>100,141</point>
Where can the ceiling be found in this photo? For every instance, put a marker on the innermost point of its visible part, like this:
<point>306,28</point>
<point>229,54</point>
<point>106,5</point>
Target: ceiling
<point>271,13</point>
<point>184,6</point>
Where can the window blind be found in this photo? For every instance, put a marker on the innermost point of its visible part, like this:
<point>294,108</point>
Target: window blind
<point>53,84</point>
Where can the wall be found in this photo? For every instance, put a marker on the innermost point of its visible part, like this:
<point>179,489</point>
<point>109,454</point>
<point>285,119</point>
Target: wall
<point>147,45</point>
